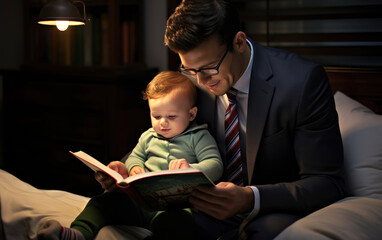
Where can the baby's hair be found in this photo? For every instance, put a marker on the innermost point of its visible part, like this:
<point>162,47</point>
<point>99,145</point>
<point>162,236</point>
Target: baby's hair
<point>167,81</point>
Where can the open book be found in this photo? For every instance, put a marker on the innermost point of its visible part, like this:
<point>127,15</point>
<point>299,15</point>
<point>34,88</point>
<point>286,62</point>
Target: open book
<point>154,191</point>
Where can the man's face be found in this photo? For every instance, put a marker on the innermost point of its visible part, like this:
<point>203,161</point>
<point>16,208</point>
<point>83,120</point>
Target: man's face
<point>207,55</point>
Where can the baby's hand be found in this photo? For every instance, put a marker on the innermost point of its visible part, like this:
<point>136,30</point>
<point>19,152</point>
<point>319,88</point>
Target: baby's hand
<point>106,181</point>
<point>119,167</point>
<point>178,164</point>
<point>136,170</point>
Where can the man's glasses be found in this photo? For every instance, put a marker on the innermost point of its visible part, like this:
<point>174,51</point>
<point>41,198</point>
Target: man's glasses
<point>205,71</point>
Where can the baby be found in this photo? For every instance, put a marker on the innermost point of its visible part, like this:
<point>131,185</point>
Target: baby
<point>175,141</point>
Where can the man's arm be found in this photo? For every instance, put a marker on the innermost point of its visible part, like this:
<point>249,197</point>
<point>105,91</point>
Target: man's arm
<point>317,147</point>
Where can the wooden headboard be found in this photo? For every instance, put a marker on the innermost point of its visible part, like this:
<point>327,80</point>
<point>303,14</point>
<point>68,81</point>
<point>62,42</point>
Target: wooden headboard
<point>362,84</point>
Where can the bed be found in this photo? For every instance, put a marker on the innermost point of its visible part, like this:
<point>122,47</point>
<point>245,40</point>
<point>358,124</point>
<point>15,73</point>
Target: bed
<point>358,96</point>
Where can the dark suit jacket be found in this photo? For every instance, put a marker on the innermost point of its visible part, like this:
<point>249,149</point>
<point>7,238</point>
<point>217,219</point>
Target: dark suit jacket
<point>294,149</point>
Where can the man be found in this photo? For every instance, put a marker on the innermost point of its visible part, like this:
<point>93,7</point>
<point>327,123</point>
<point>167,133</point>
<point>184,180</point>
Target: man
<point>289,141</point>
<point>281,148</point>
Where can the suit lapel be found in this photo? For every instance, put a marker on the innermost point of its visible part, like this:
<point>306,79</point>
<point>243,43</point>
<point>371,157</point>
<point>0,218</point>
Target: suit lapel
<point>259,101</point>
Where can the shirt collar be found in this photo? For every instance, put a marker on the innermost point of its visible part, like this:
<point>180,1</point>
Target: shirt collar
<point>242,85</point>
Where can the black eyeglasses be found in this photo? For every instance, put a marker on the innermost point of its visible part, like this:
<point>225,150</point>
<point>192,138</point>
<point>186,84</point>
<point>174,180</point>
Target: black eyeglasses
<point>205,71</point>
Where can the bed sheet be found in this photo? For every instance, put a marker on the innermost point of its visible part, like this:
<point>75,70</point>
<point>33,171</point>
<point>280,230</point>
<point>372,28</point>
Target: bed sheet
<point>23,208</point>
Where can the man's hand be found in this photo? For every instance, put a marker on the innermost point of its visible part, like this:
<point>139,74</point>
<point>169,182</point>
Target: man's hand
<point>222,201</point>
<point>178,164</point>
<point>107,182</point>
<point>136,170</point>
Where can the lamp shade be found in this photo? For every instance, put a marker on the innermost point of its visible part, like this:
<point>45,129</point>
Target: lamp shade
<point>60,10</point>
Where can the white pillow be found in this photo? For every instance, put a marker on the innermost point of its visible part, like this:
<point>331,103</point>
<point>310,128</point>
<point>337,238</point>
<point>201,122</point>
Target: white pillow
<point>361,131</point>
<point>352,218</point>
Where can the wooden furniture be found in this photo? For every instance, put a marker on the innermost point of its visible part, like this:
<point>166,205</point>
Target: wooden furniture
<point>48,112</point>
<point>362,84</point>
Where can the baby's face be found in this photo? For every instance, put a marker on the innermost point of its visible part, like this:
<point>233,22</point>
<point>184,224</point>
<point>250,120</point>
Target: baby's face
<point>171,114</point>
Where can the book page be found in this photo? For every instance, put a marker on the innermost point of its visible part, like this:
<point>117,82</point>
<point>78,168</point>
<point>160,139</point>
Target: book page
<point>96,165</point>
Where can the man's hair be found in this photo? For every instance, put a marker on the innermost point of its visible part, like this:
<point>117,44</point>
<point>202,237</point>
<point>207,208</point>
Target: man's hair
<point>167,81</point>
<point>196,20</point>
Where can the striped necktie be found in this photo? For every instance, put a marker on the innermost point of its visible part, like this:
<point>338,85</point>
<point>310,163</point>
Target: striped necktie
<point>234,166</point>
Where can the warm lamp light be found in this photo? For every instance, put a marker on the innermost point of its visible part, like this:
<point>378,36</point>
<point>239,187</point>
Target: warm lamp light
<point>61,13</point>
<point>62,25</point>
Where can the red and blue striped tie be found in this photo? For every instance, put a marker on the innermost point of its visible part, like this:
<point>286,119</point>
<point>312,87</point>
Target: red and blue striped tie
<point>234,166</point>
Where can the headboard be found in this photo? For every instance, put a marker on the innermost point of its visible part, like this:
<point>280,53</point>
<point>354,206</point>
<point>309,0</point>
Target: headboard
<point>362,84</point>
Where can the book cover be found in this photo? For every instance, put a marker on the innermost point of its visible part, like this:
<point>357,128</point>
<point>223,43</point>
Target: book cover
<point>154,191</point>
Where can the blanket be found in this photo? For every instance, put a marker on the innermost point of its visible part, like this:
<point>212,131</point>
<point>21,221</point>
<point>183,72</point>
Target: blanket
<point>23,208</point>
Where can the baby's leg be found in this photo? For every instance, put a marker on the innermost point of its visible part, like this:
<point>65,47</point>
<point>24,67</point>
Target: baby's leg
<point>52,230</point>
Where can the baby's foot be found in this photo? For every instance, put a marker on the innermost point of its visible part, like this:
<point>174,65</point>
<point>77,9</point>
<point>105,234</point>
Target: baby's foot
<point>52,230</point>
